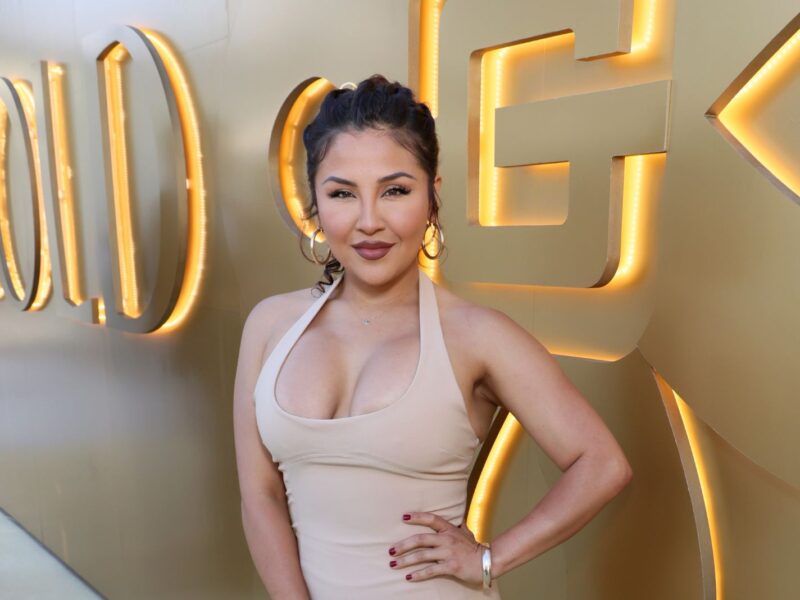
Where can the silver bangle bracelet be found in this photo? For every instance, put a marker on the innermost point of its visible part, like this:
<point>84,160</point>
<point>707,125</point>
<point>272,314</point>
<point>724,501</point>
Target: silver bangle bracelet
<point>487,566</point>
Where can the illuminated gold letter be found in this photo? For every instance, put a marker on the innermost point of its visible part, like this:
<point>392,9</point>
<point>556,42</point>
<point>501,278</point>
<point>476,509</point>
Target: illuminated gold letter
<point>170,177</point>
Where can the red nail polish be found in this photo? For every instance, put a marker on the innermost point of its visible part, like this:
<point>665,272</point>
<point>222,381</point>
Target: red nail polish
<point>392,563</point>
<point>406,517</point>
<point>392,551</point>
<point>408,576</point>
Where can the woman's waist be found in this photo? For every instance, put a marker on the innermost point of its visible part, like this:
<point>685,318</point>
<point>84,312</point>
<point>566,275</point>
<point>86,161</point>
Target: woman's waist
<point>375,502</point>
<point>363,524</point>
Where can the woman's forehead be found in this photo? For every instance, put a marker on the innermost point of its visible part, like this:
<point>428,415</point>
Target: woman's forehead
<point>369,149</point>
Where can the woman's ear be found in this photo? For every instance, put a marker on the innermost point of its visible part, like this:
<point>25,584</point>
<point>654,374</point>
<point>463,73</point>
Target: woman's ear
<point>437,184</point>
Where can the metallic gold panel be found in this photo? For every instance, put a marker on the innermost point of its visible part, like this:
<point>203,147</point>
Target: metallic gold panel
<point>179,193</point>
<point>751,112</point>
<point>56,147</point>
<point>684,429</point>
<point>724,330</point>
<point>534,61</point>
<point>622,122</point>
<point>758,516</point>
<point>643,543</point>
<point>116,449</point>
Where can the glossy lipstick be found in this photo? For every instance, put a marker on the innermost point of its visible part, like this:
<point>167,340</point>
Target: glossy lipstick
<point>372,250</point>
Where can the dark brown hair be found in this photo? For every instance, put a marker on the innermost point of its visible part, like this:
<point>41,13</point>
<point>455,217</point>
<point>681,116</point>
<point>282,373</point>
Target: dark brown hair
<point>379,104</point>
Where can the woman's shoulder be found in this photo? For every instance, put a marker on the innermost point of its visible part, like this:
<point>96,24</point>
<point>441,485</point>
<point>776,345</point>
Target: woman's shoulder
<point>275,313</point>
<point>471,322</point>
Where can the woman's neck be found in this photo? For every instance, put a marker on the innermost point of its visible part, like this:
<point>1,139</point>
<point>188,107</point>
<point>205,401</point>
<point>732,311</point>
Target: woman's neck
<point>398,291</point>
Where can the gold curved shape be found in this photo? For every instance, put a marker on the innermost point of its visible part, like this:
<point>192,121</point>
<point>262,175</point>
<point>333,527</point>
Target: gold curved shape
<point>683,423</point>
<point>494,465</point>
<point>195,184</point>
<point>9,255</point>
<point>45,286</point>
<point>729,114</point>
<point>36,293</point>
<point>182,193</point>
<point>287,155</point>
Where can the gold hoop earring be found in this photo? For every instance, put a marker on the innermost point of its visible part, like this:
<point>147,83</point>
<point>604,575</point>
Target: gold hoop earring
<point>440,235</point>
<point>314,256</point>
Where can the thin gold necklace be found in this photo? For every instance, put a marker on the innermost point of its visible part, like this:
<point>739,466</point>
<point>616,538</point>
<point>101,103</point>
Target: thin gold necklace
<point>369,320</point>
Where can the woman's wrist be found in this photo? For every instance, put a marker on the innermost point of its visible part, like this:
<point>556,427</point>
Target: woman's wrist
<point>498,566</point>
<point>486,565</point>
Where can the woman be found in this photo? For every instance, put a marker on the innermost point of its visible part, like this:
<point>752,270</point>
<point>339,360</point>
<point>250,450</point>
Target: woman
<point>358,410</point>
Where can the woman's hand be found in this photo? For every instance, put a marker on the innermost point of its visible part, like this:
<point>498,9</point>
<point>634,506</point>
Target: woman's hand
<point>454,550</point>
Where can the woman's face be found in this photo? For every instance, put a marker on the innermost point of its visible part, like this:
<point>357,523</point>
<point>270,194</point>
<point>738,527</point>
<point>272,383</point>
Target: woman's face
<point>371,190</point>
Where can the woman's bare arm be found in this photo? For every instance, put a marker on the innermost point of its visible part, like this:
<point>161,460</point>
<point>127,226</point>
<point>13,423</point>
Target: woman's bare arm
<point>265,515</point>
<point>523,376</point>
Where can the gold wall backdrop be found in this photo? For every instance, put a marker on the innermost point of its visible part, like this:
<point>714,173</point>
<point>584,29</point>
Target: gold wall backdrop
<point>620,176</point>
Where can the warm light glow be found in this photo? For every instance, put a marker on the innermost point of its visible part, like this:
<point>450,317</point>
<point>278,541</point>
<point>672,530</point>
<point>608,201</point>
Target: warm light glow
<point>291,134</point>
<point>490,98</point>
<point>781,59</point>
<point>429,21</point>
<point>429,18</point>
<point>63,175</point>
<point>126,251</point>
<point>195,184</point>
<point>45,284</point>
<point>492,83</point>
<point>483,498</point>
<point>690,425</point>
<point>493,65</point>
<point>636,212</point>
<point>5,221</point>
<point>489,192</point>
<point>644,25</point>
<point>101,311</point>
<point>737,114</point>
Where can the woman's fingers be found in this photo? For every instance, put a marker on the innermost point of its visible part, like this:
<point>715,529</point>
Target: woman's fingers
<point>422,555</point>
<point>416,541</point>
<point>451,550</point>
<point>446,567</point>
<point>430,519</point>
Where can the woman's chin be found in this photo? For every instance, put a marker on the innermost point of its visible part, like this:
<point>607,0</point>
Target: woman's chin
<point>375,272</point>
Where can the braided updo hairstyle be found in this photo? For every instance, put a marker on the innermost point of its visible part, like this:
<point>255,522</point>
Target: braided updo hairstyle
<point>379,104</point>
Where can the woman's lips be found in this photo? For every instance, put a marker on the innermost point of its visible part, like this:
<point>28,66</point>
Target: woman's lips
<point>372,253</point>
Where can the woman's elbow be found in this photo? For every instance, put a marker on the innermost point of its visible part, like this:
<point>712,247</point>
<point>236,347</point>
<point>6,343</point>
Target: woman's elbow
<point>620,472</point>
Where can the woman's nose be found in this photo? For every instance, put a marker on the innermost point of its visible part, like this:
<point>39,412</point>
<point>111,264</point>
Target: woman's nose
<point>369,219</point>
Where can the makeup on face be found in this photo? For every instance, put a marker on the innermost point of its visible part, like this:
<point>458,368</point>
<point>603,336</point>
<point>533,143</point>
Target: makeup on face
<point>372,203</point>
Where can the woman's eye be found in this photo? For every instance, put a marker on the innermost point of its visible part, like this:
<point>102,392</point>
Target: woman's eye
<point>339,194</point>
<point>397,190</point>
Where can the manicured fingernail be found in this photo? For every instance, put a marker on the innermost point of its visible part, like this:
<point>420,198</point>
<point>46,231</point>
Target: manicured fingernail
<point>392,563</point>
<point>406,517</point>
<point>408,576</point>
<point>392,550</point>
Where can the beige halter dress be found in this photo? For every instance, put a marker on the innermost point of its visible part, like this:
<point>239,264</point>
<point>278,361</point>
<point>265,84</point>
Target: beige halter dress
<point>350,479</point>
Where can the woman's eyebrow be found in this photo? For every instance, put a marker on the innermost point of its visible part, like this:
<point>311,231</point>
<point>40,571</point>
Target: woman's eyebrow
<point>381,180</point>
<point>395,176</point>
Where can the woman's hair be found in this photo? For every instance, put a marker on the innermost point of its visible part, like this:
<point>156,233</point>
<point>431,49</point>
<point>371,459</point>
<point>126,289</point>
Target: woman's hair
<point>375,103</point>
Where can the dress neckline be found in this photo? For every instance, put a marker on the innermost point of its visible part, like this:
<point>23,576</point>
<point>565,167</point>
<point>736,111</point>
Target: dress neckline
<point>424,286</point>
